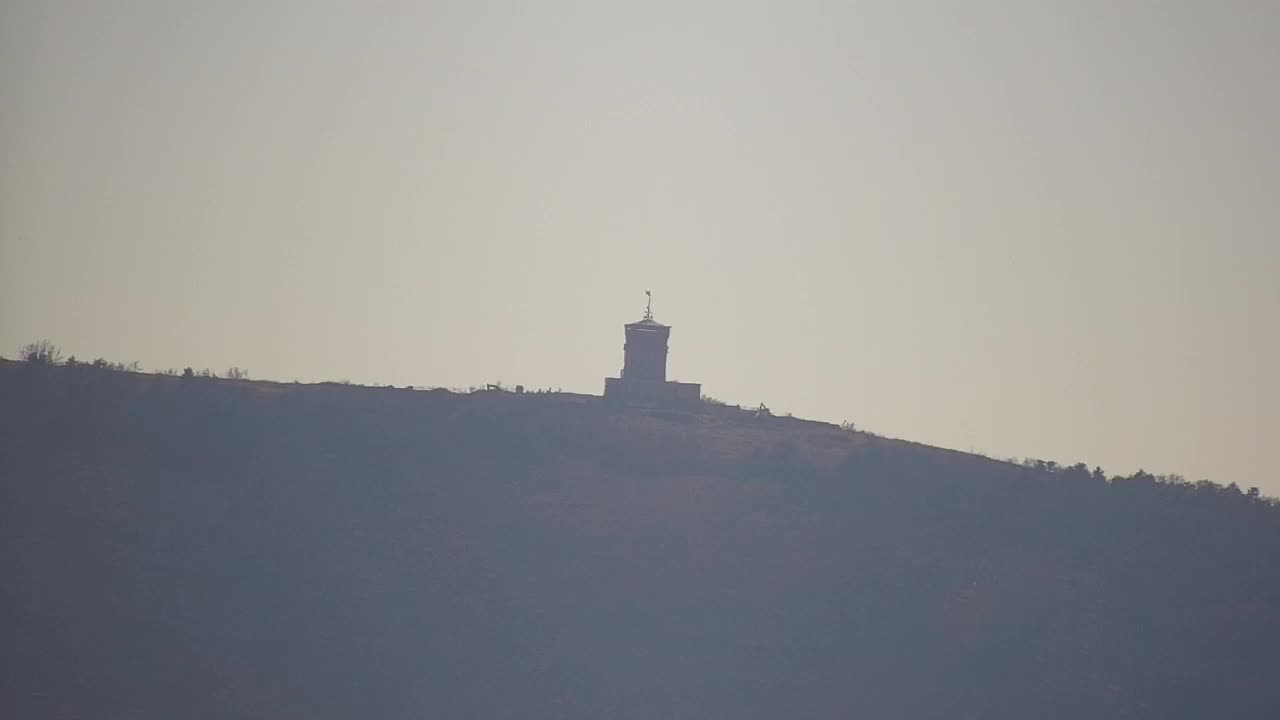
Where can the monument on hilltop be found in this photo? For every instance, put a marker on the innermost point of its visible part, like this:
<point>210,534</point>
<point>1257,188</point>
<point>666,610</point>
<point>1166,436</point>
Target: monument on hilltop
<point>643,380</point>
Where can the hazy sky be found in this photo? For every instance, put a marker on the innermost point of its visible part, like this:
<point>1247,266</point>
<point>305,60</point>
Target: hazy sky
<point>1026,228</point>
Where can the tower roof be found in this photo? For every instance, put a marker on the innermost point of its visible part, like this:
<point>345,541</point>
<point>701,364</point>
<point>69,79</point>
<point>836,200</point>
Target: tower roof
<point>649,323</point>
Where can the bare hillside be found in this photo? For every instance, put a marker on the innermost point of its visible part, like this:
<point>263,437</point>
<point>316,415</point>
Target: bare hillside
<point>208,548</point>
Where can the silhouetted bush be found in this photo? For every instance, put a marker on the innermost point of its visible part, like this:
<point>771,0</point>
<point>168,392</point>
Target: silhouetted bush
<point>41,352</point>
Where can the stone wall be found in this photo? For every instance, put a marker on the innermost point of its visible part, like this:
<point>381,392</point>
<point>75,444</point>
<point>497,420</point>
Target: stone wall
<point>651,393</point>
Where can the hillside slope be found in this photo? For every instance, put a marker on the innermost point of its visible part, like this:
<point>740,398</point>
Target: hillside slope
<point>206,548</point>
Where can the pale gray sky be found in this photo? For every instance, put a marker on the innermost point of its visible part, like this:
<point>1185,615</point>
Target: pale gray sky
<point>1030,228</point>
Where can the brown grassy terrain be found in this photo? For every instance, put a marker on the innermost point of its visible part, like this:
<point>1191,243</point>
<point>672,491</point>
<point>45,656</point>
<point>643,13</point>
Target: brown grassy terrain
<point>211,548</point>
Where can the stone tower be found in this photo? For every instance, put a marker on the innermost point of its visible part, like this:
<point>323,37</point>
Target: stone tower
<point>643,380</point>
<point>644,356</point>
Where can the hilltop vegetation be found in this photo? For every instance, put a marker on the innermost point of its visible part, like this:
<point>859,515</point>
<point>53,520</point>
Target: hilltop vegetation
<point>197,547</point>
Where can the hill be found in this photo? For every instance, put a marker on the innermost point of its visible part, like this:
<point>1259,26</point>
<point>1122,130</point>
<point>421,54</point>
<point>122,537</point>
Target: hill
<point>195,548</point>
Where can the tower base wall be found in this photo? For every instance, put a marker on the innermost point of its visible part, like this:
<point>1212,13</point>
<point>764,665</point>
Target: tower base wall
<point>653,393</point>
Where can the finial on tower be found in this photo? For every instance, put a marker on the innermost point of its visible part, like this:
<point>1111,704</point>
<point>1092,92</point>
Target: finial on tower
<point>648,308</point>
